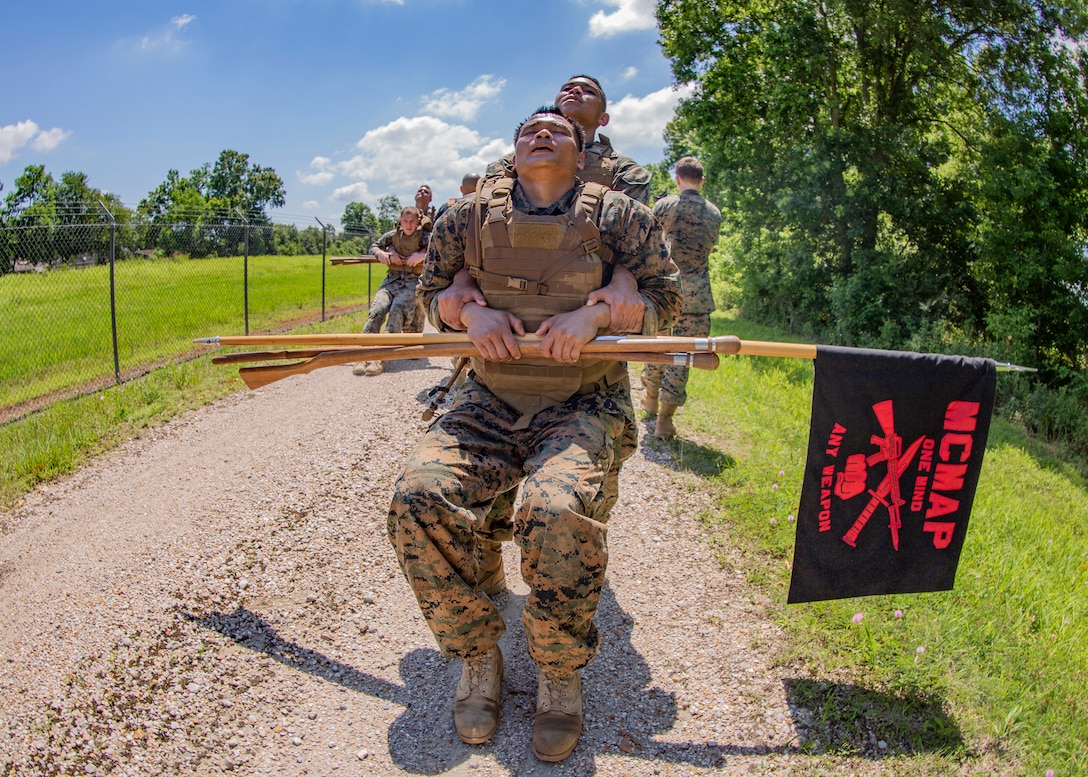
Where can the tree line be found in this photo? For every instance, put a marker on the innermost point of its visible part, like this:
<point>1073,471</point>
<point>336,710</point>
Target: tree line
<point>212,211</point>
<point>900,175</point>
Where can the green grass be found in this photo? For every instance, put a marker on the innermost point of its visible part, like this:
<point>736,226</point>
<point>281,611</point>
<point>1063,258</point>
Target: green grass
<point>55,441</point>
<point>992,676</point>
<point>56,332</point>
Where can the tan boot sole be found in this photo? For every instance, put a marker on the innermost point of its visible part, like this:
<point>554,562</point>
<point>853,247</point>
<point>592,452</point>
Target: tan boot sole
<point>556,757</point>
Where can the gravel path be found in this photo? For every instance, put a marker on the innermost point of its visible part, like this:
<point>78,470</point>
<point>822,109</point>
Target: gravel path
<point>219,596</point>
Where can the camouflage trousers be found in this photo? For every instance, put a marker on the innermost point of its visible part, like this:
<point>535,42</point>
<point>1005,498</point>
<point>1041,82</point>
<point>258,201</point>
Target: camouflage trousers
<point>395,298</point>
<point>417,320</point>
<point>567,460</point>
<point>672,382</point>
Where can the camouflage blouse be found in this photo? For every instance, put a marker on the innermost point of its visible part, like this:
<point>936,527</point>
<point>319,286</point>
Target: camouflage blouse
<point>691,224</point>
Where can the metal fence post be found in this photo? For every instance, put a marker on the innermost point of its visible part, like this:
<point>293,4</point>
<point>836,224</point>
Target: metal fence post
<point>113,291</point>
<point>324,244</point>
<point>245,269</point>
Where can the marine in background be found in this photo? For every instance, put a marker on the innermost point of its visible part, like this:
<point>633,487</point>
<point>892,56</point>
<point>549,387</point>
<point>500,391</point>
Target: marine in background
<point>691,224</point>
<point>402,250</point>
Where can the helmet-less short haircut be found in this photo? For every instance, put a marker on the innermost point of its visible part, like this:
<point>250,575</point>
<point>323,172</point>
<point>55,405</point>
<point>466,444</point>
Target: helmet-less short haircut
<point>604,100</point>
<point>690,169</point>
<point>579,133</point>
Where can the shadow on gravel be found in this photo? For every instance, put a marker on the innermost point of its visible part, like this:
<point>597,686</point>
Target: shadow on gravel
<point>830,716</point>
<point>689,456</point>
<point>415,742</point>
<point>623,714</point>
<point>410,365</point>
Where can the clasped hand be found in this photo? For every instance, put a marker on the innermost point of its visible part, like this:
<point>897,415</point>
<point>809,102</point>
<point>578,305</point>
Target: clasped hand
<point>493,332</point>
<point>391,258</point>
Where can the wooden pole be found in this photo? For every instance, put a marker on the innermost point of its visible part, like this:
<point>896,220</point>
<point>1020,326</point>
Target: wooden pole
<point>262,375</point>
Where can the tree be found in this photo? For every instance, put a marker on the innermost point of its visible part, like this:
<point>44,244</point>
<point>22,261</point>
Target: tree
<point>662,182</point>
<point>235,183</point>
<point>231,184</point>
<point>203,209</point>
<point>389,209</point>
<point>35,192</point>
<point>845,139</point>
<point>31,208</point>
<point>359,219</point>
<point>60,220</point>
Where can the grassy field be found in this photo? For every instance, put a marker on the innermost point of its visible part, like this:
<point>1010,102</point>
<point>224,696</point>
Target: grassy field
<point>56,331</point>
<point>994,674</point>
<point>989,678</point>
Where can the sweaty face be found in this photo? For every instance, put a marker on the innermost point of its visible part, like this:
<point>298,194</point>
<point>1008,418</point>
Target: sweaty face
<point>409,223</point>
<point>547,139</point>
<point>582,100</point>
<point>423,195</point>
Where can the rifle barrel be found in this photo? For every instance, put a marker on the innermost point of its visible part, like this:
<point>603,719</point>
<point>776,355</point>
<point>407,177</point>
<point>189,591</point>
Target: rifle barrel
<point>364,259</point>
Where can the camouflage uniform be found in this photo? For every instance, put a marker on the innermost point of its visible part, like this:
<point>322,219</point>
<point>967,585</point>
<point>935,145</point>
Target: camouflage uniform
<point>690,223</point>
<point>604,165</point>
<point>427,217</point>
<point>566,455</point>
<point>620,173</point>
<point>419,315</point>
<point>396,296</point>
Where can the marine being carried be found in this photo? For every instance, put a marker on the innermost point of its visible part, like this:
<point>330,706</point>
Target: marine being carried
<point>539,244</point>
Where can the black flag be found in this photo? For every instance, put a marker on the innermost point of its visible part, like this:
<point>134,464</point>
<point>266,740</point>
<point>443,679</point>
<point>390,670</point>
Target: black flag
<point>894,453</point>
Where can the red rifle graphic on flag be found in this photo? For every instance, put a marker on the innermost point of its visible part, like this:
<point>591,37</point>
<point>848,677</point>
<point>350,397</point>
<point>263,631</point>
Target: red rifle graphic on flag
<point>890,445</point>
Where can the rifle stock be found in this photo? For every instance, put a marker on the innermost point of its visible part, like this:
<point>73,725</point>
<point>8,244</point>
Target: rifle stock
<point>364,259</point>
<point>284,353</point>
<point>262,375</point>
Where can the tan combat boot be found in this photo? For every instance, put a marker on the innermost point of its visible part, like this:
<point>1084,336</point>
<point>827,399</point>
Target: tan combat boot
<point>359,368</point>
<point>476,706</point>
<point>649,400</point>
<point>492,577</point>
<point>558,721</point>
<point>665,426</point>
<point>375,368</point>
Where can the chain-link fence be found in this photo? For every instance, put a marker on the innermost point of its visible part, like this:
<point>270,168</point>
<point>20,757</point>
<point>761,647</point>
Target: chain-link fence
<point>86,301</point>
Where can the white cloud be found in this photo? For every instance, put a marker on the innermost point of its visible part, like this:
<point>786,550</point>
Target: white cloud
<point>47,140</point>
<point>15,136</point>
<point>356,192</point>
<point>630,15</point>
<point>466,103</point>
<point>640,121</point>
<point>322,172</point>
<point>315,179</point>
<point>630,73</point>
<point>167,40</point>
<point>407,152</point>
<point>310,205</point>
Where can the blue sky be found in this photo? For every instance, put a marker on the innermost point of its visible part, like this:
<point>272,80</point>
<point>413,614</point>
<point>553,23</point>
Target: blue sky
<point>346,99</point>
